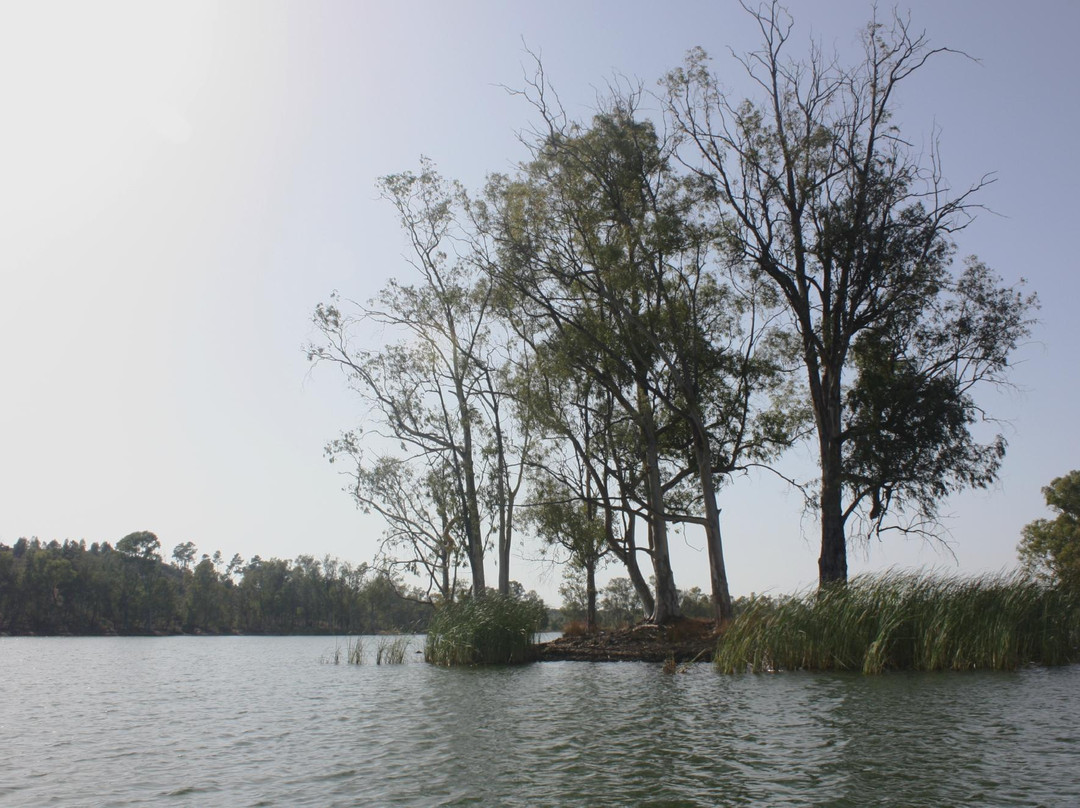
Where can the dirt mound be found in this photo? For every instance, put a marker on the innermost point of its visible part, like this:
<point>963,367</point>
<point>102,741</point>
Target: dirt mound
<point>684,641</point>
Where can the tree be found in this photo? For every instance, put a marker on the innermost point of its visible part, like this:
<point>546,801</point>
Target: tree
<point>567,257</point>
<point>603,240</point>
<point>141,549</point>
<point>573,594</point>
<point>619,602</point>
<point>142,545</point>
<point>184,554</point>
<point>205,607</point>
<point>815,191</point>
<point>422,513</point>
<point>563,519</point>
<point>695,603</point>
<point>436,392</point>
<point>1050,548</point>
<point>586,466</point>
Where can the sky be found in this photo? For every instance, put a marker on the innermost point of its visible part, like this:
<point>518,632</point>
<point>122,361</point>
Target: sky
<point>182,183</point>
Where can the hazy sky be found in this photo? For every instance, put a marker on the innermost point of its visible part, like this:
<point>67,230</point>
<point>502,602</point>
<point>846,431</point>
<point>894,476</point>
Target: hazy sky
<point>180,184</point>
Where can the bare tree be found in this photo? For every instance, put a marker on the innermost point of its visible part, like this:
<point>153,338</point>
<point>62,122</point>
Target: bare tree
<point>815,190</point>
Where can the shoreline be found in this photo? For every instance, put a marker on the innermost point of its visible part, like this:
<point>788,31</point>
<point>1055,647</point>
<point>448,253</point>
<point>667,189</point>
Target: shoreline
<point>683,641</point>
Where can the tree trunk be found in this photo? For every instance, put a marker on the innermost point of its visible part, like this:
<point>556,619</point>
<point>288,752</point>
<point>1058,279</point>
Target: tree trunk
<point>504,504</point>
<point>472,508</point>
<point>666,607</point>
<point>590,595</point>
<point>505,540</point>
<point>721,596</point>
<point>444,563</point>
<point>504,566</point>
<point>628,556</point>
<point>832,564</point>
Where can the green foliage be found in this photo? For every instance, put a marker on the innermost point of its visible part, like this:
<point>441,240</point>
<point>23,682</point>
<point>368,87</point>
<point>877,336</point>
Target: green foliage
<point>494,629</point>
<point>561,518</point>
<point>1050,548</point>
<point>573,594</point>
<point>184,554</point>
<point>142,545</point>
<point>619,603</point>
<point>818,193</point>
<point>69,589</point>
<point>434,388</point>
<point>909,411</point>
<point>907,621</point>
<point>697,604</point>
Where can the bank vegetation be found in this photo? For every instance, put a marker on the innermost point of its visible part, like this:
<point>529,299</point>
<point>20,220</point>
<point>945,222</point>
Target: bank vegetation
<point>71,588</point>
<point>907,621</point>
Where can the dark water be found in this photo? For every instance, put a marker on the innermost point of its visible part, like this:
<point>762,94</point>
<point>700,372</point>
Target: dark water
<point>244,721</point>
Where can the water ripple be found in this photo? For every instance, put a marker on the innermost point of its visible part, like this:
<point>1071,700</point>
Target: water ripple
<point>253,721</point>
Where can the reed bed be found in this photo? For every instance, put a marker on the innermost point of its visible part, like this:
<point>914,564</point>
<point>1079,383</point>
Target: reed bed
<point>392,652</point>
<point>907,621</point>
<point>352,653</point>
<point>495,629</point>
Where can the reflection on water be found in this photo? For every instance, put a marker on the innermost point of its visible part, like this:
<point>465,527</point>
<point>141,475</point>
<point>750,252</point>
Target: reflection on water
<point>264,721</point>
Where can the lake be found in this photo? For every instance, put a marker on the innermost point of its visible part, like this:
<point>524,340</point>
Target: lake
<point>259,721</point>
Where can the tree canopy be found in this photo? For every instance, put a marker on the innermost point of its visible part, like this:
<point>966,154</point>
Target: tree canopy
<point>1050,548</point>
<point>815,189</point>
<point>69,588</point>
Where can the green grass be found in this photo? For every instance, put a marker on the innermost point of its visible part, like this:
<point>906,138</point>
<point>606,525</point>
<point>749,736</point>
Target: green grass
<point>495,629</point>
<point>907,621</point>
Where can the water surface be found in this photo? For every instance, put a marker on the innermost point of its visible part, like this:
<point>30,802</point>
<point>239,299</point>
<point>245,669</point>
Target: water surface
<point>247,721</point>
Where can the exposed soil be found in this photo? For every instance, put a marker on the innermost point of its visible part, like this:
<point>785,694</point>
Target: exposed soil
<point>683,641</point>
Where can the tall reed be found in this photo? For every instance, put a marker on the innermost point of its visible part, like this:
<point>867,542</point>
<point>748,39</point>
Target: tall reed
<point>494,629</point>
<point>391,652</point>
<point>908,621</point>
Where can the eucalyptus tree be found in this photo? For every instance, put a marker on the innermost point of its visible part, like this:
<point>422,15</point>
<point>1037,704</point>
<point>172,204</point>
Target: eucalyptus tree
<point>423,390</point>
<point>437,393</point>
<point>586,484</point>
<point>816,192</point>
<point>421,511</point>
<point>562,518</point>
<point>590,466</point>
<point>562,268</point>
<point>602,240</point>
<point>598,241</point>
<point>510,435</point>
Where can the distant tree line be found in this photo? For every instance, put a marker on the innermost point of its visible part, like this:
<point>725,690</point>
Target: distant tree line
<point>70,588</point>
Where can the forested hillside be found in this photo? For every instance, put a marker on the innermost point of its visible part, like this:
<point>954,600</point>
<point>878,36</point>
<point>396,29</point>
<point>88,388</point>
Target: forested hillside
<point>70,588</point>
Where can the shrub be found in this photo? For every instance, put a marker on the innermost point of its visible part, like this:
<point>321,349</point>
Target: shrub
<point>912,621</point>
<point>575,628</point>
<point>494,629</point>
